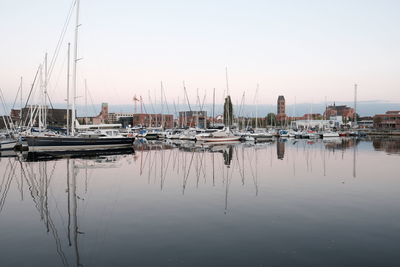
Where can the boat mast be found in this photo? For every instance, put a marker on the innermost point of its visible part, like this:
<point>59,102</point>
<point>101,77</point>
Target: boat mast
<point>213,109</point>
<point>74,69</point>
<point>45,92</point>
<point>68,62</point>
<point>86,107</point>
<point>20,113</point>
<point>256,106</point>
<point>355,106</point>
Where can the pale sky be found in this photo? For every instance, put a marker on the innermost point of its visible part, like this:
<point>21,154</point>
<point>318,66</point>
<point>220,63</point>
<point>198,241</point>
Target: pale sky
<point>304,49</point>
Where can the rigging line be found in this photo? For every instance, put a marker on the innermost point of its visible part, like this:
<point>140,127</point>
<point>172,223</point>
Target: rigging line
<point>16,96</point>
<point>7,187</point>
<point>33,85</point>
<point>60,40</point>
<point>91,101</point>
<point>59,74</point>
<point>4,176</point>
<point>165,99</point>
<point>187,176</point>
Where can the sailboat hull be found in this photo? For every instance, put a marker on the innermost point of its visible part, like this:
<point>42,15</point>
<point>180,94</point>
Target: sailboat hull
<point>53,144</point>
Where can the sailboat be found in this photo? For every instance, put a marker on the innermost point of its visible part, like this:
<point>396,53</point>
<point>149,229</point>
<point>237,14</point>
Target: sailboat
<point>74,142</point>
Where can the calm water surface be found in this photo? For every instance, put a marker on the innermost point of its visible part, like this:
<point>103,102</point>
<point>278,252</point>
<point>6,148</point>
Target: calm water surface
<point>284,203</point>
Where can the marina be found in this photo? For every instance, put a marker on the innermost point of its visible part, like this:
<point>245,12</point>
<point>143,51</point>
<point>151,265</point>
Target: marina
<point>199,133</point>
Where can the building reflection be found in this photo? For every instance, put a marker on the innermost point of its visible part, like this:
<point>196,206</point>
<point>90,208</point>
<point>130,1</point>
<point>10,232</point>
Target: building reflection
<point>340,143</point>
<point>390,146</point>
<point>280,149</point>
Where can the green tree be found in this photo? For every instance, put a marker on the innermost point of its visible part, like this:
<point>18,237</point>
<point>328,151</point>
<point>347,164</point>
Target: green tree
<point>270,119</point>
<point>228,111</point>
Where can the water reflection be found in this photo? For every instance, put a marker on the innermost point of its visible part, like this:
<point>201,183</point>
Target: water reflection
<point>127,199</point>
<point>390,146</point>
<point>280,149</point>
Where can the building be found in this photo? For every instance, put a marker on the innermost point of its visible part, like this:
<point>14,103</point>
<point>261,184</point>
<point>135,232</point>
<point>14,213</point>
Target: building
<point>115,117</point>
<point>56,117</point>
<point>4,122</point>
<point>388,121</point>
<point>196,119</point>
<point>311,116</point>
<point>102,118</point>
<point>153,120</point>
<point>365,122</point>
<point>280,105</point>
<point>346,112</point>
<point>280,112</point>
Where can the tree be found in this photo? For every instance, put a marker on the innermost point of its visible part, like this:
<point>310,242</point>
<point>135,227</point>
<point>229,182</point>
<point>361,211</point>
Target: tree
<point>357,116</point>
<point>270,119</point>
<point>228,111</point>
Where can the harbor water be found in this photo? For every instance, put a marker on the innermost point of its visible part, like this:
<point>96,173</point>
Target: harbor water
<point>280,203</point>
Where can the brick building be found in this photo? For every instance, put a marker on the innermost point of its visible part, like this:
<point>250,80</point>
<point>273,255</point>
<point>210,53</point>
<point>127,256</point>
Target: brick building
<point>280,112</point>
<point>102,118</point>
<point>193,119</point>
<point>153,120</point>
<point>115,117</point>
<point>346,112</point>
<point>56,117</point>
<point>390,120</point>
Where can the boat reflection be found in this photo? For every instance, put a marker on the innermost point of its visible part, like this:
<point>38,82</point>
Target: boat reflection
<point>27,156</point>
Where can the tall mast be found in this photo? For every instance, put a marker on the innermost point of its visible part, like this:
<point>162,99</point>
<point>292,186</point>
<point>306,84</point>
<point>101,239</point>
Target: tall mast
<point>68,62</point>
<point>355,105</point>
<point>213,109</point>
<point>20,113</point>
<point>256,106</point>
<point>86,117</point>
<point>74,69</point>
<point>45,92</point>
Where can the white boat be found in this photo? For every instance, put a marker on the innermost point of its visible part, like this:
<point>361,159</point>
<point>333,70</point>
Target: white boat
<point>8,144</point>
<point>261,135</point>
<point>173,134</point>
<point>224,135</point>
<point>248,138</point>
<point>330,134</point>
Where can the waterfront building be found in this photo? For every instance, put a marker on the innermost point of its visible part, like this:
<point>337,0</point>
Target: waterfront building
<point>346,112</point>
<point>56,117</point>
<point>4,119</point>
<point>153,120</point>
<point>365,122</point>
<point>116,117</point>
<point>195,119</point>
<point>102,118</point>
<point>281,109</point>
<point>280,105</point>
<point>388,121</point>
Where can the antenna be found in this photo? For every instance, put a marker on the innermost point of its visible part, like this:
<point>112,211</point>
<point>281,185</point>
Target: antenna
<point>227,84</point>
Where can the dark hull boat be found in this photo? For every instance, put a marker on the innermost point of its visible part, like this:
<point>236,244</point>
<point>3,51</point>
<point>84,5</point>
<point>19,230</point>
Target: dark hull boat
<point>56,144</point>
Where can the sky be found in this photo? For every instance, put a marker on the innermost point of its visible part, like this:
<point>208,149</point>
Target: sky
<point>308,51</point>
